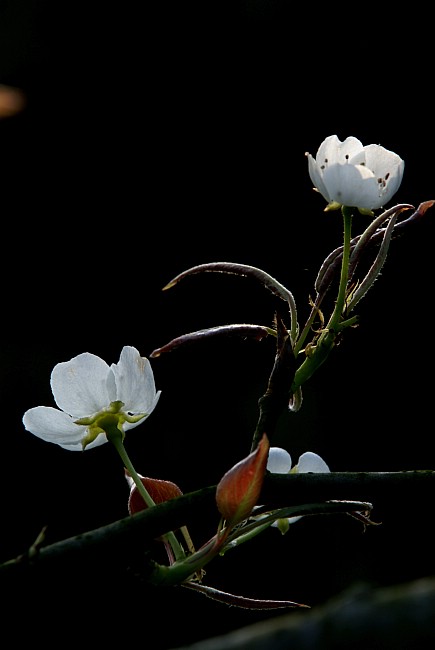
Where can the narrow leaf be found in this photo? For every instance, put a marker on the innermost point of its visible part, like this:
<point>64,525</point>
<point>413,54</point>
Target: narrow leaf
<point>256,332</point>
<point>234,600</point>
<point>247,271</point>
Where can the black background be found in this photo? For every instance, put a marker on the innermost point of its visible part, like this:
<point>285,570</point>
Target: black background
<point>166,136</point>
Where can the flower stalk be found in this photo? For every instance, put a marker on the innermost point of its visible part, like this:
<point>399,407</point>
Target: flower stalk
<point>114,435</point>
<point>326,341</point>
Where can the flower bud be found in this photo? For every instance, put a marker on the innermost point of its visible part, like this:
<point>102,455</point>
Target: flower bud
<point>158,490</point>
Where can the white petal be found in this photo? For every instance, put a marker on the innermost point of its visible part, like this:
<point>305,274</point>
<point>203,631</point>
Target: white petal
<point>392,185</point>
<point>279,461</point>
<point>135,384</point>
<point>293,520</point>
<point>55,426</point>
<point>316,176</point>
<point>80,386</point>
<point>387,168</point>
<point>130,481</point>
<point>311,462</point>
<point>111,386</point>
<point>328,150</point>
<point>353,186</point>
<point>381,161</point>
<point>333,151</point>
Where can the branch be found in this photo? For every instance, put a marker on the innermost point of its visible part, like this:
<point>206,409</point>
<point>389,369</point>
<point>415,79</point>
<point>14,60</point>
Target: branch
<point>123,542</point>
<point>278,392</point>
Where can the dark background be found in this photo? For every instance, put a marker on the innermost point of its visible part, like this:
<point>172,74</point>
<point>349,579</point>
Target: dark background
<point>162,137</point>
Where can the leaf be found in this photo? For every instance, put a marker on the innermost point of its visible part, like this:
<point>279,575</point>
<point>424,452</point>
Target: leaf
<point>234,600</point>
<point>257,332</point>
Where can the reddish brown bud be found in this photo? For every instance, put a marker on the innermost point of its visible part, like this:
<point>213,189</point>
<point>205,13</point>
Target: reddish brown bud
<point>238,491</point>
<point>158,490</point>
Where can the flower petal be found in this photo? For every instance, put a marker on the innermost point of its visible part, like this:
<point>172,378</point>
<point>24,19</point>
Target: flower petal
<point>382,161</point>
<point>333,151</point>
<point>135,384</point>
<point>316,177</point>
<point>388,169</point>
<point>311,462</point>
<point>279,461</point>
<point>80,385</point>
<point>353,186</point>
<point>53,425</point>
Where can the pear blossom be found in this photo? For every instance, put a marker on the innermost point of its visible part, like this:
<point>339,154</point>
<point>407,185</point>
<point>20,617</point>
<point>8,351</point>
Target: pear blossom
<point>350,174</point>
<point>280,462</point>
<point>91,395</point>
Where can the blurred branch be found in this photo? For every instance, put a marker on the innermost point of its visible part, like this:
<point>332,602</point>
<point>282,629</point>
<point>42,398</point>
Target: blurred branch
<point>290,489</point>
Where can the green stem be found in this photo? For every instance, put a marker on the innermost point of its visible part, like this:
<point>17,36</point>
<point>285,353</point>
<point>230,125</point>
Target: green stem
<point>116,438</point>
<point>241,539</point>
<point>301,340</point>
<point>186,568</point>
<point>334,321</point>
<point>327,338</point>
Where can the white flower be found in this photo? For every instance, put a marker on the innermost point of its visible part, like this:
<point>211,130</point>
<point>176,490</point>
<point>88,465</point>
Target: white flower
<point>280,462</point>
<point>88,394</point>
<point>347,173</point>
